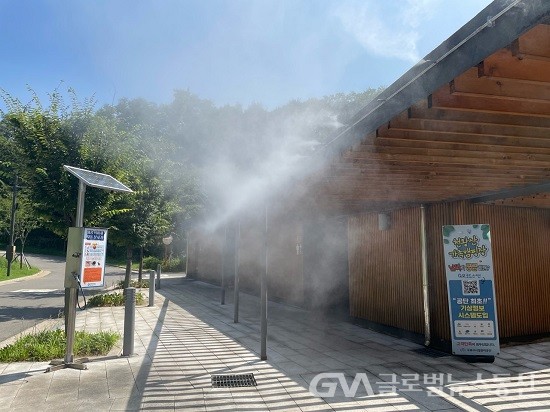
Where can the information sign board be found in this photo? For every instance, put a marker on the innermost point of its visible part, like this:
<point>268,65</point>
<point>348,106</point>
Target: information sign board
<point>471,290</point>
<point>94,250</point>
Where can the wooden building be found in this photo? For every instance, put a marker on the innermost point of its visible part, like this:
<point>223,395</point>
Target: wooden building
<point>462,138</point>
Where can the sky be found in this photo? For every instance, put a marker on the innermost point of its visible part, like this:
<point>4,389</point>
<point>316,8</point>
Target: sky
<point>227,51</point>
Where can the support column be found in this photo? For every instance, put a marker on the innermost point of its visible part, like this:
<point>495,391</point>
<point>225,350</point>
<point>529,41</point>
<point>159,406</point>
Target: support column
<point>236,288</point>
<point>71,293</point>
<point>129,322</point>
<point>10,252</point>
<point>187,253</point>
<point>71,317</point>
<point>425,285</point>
<point>263,294</point>
<point>224,245</point>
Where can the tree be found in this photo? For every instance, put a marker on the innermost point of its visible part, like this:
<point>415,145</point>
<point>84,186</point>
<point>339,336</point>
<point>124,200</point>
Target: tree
<point>45,140</point>
<point>181,158</point>
<point>163,171</point>
<point>146,213</point>
<point>25,222</point>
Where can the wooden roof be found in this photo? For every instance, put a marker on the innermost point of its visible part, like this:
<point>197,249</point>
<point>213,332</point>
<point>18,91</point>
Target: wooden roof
<point>472,121</point>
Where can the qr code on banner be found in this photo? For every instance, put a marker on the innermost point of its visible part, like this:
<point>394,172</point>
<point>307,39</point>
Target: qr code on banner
<point>470,287</point>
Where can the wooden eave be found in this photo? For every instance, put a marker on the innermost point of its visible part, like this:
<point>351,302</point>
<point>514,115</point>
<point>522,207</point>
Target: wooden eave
<point>486,129</point>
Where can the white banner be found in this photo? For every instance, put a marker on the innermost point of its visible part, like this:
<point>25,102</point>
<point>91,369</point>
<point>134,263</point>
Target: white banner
<point>471,290</point>
<point>94,251</point>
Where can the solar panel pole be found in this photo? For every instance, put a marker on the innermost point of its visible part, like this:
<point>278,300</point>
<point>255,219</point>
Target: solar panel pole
<point>71,296</point>
<point>101,181</point>
<point>80,204</point>
<point>73,292</point>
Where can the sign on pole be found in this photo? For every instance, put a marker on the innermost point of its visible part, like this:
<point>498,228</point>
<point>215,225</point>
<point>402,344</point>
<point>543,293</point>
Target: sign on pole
<point>471,290</point>
<point>94,250</point>
<point>85,262</point>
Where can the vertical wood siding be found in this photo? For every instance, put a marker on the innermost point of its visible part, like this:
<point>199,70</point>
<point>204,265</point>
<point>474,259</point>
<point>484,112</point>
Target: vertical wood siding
<point>251,255</point>
<point>438,215</point>
<point>520,240</point>
<point>205,256</point>
<point>285,273</point>
<point>385,266</point>
<point>385,270</point>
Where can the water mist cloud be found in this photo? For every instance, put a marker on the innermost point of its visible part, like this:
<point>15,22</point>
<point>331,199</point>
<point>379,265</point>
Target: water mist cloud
<point>387,35</point>
<point>288,144</point>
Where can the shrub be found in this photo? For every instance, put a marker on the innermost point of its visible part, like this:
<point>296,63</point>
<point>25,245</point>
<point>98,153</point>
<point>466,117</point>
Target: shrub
<point>93,344</point>
<point>174,265</point>
<point>47,345</point>
<point>113,299</point>
<point>151,262</point>
<point>133,284</point>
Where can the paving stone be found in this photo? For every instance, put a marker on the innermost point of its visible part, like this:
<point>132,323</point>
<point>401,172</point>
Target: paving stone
<point>196,338</point>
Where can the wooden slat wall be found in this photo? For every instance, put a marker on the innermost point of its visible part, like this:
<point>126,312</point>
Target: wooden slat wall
<point>192,252</point>
<point>285,273</point>
<point>521,257</point>
<point>521,253</point>
<point>438,215</point>
<point>285,266</point>
<point>251,255</point>
<point>205,255</point>
<point>385,270</point>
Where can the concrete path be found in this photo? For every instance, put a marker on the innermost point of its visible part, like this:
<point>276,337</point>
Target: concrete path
<point>188,336</point>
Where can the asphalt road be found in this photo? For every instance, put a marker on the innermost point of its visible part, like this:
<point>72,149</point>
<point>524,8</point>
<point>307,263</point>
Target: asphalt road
<point>29,301</point>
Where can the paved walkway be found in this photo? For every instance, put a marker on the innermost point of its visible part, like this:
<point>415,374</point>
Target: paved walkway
<point>188,336</point>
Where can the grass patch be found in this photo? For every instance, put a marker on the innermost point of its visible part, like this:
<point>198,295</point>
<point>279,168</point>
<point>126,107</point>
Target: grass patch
<point>121,262</point>
<point>112,299</point>
<point>47,345</point>
<point>15,271</point>
<point>133,284</point>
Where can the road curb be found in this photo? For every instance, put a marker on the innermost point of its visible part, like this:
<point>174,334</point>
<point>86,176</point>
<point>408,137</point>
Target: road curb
<point>40,274</point>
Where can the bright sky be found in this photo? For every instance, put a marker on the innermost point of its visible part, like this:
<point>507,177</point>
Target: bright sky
<point>229,51</point>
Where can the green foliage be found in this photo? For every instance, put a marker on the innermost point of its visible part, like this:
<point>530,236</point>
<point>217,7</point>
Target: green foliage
<point>173,265</point>
<point>15,272</point>
<point>165,153</point>
<point>151,262</point>
<point>47,345</point>
<point>94,344</point>
<point>176,264</point>
<point>113,299</point>
<point>45,139</point>
<point>133,284</point>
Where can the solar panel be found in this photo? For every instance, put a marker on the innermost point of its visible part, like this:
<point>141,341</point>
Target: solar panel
<point>96,179</point>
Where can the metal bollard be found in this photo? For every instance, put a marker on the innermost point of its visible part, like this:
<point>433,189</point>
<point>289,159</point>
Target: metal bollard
<point>129,321</point>
<point>152,288</point>
<point>158,276</point>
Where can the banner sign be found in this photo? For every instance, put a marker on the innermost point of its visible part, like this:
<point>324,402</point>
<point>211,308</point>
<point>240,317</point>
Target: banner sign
<point>94,250</point>
<point>471,290</point>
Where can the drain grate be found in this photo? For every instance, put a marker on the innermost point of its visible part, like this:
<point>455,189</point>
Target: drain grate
<point>432,353</point>
<point>233,381</point>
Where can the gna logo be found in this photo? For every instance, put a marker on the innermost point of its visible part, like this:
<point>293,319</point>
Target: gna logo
<point>331,380</point>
